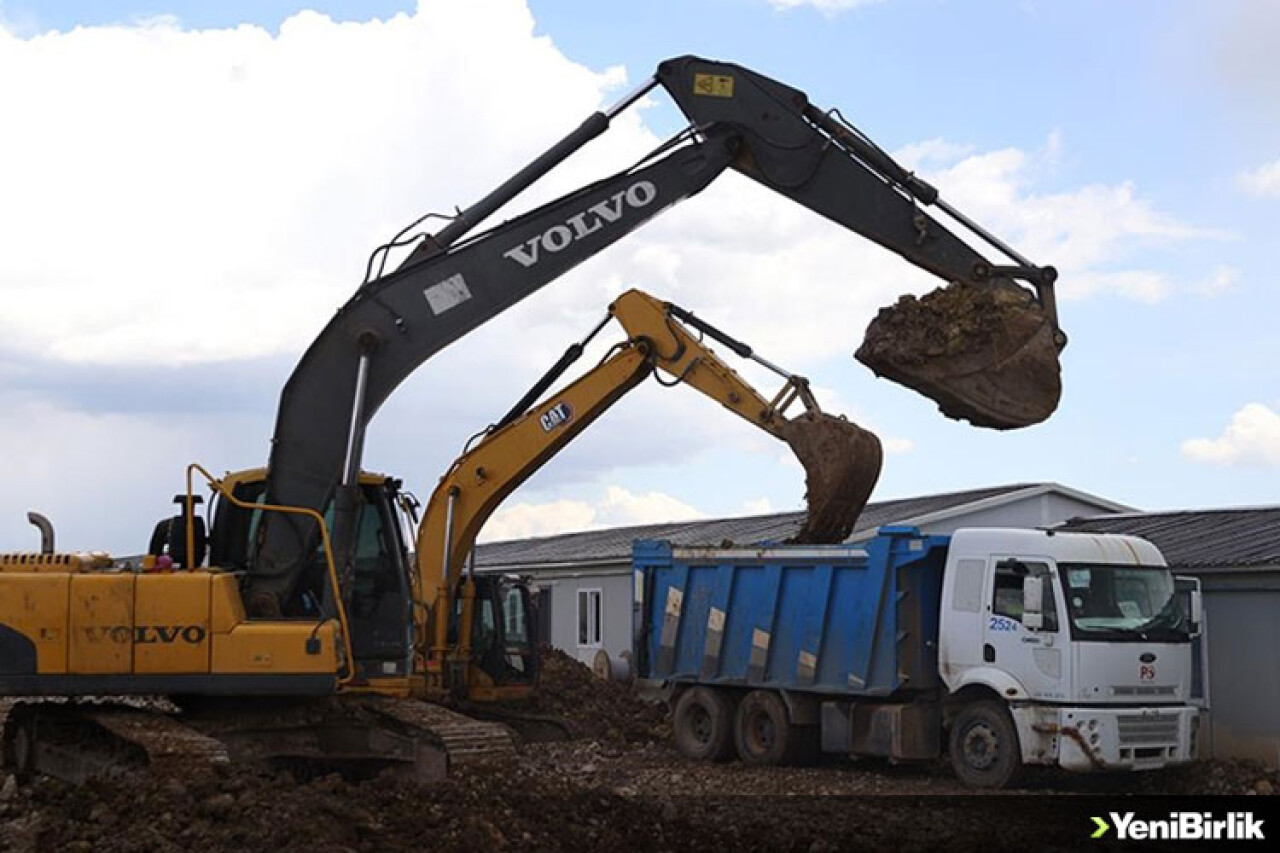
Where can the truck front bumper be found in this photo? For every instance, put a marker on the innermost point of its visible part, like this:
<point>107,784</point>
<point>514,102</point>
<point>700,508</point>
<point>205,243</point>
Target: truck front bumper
<point>1091,738</point>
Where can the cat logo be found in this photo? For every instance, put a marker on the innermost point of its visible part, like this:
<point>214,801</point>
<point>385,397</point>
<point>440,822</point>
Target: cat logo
<point>146,634</point>
<point>557,415</point>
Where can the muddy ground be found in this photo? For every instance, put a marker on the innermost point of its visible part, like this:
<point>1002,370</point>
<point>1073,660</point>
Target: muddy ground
<point>617,786</point>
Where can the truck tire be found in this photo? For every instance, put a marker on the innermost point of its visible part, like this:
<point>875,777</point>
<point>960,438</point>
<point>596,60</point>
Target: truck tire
<point>984,746</point>
<point>764,734</point>
<point>703,724</point>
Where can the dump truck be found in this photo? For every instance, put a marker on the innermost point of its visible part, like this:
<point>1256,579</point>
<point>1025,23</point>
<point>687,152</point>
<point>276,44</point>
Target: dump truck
<point>997,647</point>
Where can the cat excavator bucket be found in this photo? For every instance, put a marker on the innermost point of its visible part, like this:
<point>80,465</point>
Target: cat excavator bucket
<point>841,466</point>
<point>986,353</point>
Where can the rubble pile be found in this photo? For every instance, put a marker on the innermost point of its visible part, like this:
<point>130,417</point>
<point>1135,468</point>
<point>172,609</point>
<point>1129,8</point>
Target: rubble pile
<point>596,709</point>
<point>618,784</point>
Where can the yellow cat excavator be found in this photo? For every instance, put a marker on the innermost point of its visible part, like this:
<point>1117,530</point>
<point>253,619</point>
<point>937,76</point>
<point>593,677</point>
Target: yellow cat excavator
<point>309,590</point>
<point>841,461</point>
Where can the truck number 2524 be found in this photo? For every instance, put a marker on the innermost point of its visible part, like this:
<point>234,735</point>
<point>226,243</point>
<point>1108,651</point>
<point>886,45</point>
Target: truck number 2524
<point>999,623</point>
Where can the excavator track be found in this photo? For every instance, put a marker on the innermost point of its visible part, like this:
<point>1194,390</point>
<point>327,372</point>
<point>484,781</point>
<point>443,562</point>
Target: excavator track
<point>465,739</point>
<point>77,740</point>
<point>170,745</point>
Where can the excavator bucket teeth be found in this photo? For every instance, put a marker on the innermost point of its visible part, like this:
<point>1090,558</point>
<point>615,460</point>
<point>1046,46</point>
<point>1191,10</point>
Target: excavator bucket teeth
<point>987,355</point>
<point>841,464</point>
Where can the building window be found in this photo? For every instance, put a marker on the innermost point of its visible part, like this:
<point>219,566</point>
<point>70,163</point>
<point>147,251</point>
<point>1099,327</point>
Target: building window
<point>589,613</point>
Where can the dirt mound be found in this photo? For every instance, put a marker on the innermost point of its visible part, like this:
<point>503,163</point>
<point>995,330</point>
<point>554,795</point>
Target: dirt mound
<point>594,708</point>
<point>258,811</point>
<point>841,466</point>
<point>983,354</point>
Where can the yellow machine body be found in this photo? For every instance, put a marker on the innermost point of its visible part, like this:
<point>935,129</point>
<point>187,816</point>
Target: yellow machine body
<point>116,631</point>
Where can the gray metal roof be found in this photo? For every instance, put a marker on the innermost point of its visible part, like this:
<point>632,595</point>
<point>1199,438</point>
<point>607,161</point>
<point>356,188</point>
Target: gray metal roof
<point>614,545</point>
<point>1200,539</point>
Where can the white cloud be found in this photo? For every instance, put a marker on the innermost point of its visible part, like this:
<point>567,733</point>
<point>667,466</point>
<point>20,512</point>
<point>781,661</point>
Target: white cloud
<point>223,187</point>
<point>618,507</point>
<point>1222,280</point>
<point>897,446</point>
<point>213,194</point>
<point>1252,438</point>
<point>931,154</point>
<point>1262,181</point>
<point>828,7</point>
<point>527,520</point>
<point>103,480</point>
<point>621,507</point>
<point>1087,233</point>
<point>757,506</point>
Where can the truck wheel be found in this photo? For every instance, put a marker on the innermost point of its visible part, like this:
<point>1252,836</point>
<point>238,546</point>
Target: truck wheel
<point>984,746</point>
<point>703,724</point>
<point>763,733</point>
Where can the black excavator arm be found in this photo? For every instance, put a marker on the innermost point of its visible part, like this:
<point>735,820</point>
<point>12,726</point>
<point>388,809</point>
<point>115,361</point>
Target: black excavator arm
<point>451,283</point>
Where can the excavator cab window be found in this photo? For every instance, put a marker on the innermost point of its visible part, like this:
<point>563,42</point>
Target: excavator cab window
<point>234,528</point>
<point>378,594</point>
<point>515,612</point>
<point>501,640</point>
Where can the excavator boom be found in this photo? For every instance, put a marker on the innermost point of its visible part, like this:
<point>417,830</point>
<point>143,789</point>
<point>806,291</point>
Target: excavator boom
<point>456,280</point>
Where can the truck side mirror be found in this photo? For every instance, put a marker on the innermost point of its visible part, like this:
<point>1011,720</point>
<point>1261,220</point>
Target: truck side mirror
<point>1188,589</point>
<point>1033,602</point>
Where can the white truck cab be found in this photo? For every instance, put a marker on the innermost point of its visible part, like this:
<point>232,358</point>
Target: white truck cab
<point>1082,636</point>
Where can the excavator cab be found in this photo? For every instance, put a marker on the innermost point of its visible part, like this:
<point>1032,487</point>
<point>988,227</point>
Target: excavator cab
<point>377,591</point>
<point>503,652</point>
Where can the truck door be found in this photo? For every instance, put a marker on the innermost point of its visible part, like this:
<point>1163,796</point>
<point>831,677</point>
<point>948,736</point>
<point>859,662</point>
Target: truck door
<point>1035,657</point>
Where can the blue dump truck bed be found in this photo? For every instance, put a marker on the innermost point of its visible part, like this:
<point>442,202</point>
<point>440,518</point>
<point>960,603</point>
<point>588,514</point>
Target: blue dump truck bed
<point>827,619</point>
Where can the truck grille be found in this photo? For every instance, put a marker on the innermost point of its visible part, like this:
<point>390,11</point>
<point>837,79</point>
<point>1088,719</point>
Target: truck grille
<point>1147,729</point>
<point>1144,690</point>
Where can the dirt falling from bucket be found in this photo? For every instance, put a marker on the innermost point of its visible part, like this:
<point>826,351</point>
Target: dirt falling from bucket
<point>983,354</point>
<point>841,465</point>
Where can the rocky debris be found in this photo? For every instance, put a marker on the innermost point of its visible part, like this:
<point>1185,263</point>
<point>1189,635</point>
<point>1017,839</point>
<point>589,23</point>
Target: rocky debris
<point>841,466</point>
<point>619,784</point>
<point>576,795</point>
<point>594,708</point>
<point>985,354</point>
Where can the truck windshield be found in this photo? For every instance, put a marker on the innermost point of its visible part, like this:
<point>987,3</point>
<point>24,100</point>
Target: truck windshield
<point>1123,602</point>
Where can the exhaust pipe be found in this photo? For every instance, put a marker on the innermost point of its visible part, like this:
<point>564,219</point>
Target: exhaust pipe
<point>46,531</point>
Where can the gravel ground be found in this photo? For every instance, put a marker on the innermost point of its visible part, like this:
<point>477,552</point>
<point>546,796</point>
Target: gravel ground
<point>617,785</point>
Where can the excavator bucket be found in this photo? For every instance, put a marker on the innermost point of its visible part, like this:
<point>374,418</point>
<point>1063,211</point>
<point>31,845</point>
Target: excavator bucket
<point>841,464</point>
<point>985,354</point>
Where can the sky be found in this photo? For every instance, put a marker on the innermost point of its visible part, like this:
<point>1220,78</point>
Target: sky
<point>188,190</point>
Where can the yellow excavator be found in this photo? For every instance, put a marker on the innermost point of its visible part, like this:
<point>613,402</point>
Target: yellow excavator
<point>841,460</point>
<point>401,630</point>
